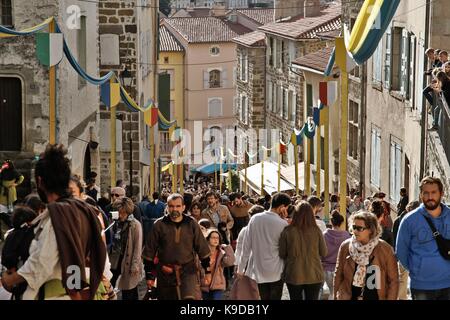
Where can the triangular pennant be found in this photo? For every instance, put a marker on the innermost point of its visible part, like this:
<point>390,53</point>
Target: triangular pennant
<point>49,48</point>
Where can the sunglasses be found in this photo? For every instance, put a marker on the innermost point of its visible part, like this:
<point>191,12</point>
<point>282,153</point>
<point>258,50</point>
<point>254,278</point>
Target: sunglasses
<point>115,195</point>
<point>358,228</point>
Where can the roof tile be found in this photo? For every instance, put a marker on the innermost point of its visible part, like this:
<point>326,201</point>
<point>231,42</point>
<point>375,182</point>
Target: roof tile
<point>167,42</point>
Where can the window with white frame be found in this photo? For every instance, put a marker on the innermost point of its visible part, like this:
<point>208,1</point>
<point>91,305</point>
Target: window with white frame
<point>244,109</point>
<point>412,71</point>
<point>375,157</point>
<point>214,107</point>
<point>353,129</point>
<point>388,59</point>
<point>6,18</point>
<point>395,170</point>
<point>405,64</point>
<point>244,66</point>
<point>377,63</point>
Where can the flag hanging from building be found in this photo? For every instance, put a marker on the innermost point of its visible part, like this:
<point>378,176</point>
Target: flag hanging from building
<point>49,48</point>
<point>151,116</point>
<point>110,94</point>
<point>328,92</point>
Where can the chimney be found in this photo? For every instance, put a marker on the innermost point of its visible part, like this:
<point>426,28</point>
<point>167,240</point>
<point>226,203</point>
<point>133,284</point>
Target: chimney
<point>312,8</point>
<point>288,8</point>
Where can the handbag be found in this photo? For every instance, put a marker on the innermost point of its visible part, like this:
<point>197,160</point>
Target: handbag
<point>244,288</point>
<point>442,243</point>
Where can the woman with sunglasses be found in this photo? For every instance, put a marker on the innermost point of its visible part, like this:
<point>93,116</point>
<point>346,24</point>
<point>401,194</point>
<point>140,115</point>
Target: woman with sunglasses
<point>366,266</point>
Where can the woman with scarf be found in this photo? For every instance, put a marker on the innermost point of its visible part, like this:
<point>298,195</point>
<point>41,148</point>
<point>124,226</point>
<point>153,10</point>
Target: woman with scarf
<point>366,266</point>
<point>125,254</point>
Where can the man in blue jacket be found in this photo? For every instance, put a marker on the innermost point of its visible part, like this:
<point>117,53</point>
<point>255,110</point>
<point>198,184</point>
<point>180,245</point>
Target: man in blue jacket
<point>151,211</point>
<point>417,249</point>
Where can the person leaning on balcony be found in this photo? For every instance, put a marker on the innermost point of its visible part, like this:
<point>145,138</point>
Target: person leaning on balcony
<point>443,89</point>
<point>360,258</point>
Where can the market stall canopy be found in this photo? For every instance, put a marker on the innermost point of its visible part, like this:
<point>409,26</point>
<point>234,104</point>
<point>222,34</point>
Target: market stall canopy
<point>288,173</point>
<point>213,167</point>
<point>270,178</point>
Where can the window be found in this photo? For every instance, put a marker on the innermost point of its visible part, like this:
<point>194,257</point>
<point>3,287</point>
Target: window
<point>285,108</point>
<point>292,52</point>
<point>214,107</point>
<point>309,100</point>
<point>244,109</point>
<point>269,95</point>
<point>272,51</point>
<point>244,66</point>
<point>412,71</point>
<point>292,100</point>
<point>214,51</point>
<point>280,99</point>
<point>397,63</point>
<point>6,13</point>
<point>279,54</point>
<point>274,97</point>
<point>282,54</point>
<point>377,64</point>
<point>375,158</point>
<point>395,170</point>
<point>353,130</point>
<point>166,60</point>
<point>214,79</point>
<point>387,59</point>
<point>81,46</point>
<point>405,66</point>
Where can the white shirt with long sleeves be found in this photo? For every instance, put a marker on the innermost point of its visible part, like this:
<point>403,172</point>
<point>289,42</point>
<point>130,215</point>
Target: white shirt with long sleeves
<point>261,248</point>
<point>240,246</point>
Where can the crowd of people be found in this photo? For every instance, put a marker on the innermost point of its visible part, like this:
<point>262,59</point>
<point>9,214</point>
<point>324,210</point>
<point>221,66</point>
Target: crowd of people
<point>439,83</point>
<point>201,244</point>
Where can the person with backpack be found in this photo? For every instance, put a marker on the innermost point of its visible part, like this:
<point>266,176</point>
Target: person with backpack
<point>423,244</point>
<point>17,243</point>
<point>67,239</point>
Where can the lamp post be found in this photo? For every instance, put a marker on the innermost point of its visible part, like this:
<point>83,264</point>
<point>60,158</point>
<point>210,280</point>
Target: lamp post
<point>126,79</point>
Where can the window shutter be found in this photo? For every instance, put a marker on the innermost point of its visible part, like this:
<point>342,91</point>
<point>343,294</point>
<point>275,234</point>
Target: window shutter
<point>269,95</point>
<point>275,97</point>
<point>286,104</point>
<point>392,171</point>
<point>372,158</point>
<point>205,79</point>
<point>404,70</point>
<point>294,108</point>
<point>291,52</point>
<point>234,75</point>
<point>246,114</point>
<point>246,68</point>
<point>419,96</point>
<point>412,70</point>
<point>387,60</point>
<point>224,80</point>
<point>378,163</point>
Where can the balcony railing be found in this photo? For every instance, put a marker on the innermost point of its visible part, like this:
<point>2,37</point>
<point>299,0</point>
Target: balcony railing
<point>165,143</point>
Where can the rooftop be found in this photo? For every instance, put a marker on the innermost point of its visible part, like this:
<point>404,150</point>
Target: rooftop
<point>167,42</point>
<point>259,15</point>
<point>206,29</point>
<point>317,60</point>
<point>252,39</point>
<point>299,27</point>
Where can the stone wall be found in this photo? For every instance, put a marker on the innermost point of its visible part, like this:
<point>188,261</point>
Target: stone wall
<point>119,18</point>
<point>75,106</point>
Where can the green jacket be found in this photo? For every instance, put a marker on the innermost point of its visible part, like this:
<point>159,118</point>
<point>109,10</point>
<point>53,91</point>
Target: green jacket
<point>301,252</point>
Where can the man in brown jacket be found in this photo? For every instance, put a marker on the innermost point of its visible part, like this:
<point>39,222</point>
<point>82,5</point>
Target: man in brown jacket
<point>171,253</point>
<point>239,210</point>
<point>217,213</point>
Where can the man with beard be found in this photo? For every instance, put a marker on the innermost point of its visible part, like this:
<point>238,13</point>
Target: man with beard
<point>67,239</point>
<point>218,213</point>
<point>171,254</point>
<point>417,250</point>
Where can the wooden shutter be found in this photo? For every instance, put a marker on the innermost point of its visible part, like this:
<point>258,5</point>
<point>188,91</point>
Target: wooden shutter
<point>404,69</point>
<point>387,60</point>
<point>205,79</point>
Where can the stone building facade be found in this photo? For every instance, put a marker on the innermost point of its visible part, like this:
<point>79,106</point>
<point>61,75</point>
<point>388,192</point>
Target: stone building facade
<point>24,91</point>
<point>285,88</point>
<point>126,42</point>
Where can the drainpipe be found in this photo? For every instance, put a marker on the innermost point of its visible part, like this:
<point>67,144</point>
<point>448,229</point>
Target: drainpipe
<point>424,120</point>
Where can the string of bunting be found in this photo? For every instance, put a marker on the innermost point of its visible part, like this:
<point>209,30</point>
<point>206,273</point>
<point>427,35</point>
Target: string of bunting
<point>49,50</point>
